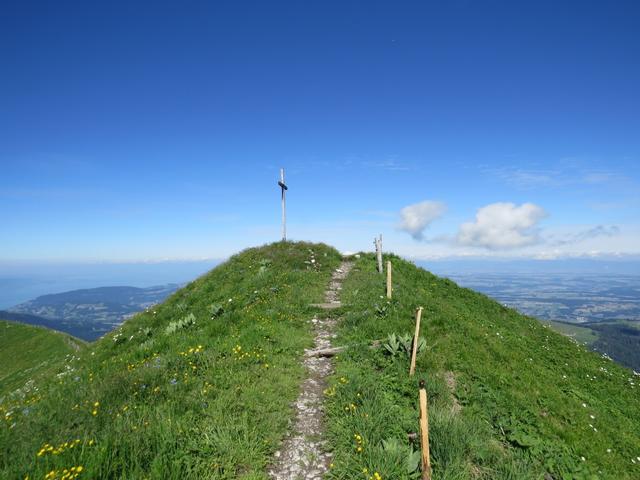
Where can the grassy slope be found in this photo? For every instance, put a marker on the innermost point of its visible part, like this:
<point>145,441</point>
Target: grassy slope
<point>509,398</point>
<point>582,334</point>
<point>142,403</point>
<point>29,352</point>
<point>210,400</point>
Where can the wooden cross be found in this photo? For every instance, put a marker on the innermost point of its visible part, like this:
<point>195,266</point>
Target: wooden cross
<point>283,188</point>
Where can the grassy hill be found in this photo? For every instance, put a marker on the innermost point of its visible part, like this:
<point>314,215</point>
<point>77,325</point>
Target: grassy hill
<point>509,397</point>
<point>201,387</point>
<point>28,352</point>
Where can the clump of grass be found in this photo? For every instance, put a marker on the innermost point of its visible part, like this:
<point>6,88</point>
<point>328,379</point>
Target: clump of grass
<point>397,344</point>
<point>188,321</point>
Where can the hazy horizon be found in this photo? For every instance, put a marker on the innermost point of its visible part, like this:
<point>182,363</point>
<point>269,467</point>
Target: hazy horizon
<point>18,285</point>
<point>20,282</point>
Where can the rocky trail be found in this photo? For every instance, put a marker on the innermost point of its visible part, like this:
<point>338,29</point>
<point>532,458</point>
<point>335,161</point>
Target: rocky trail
<point>303,455</point>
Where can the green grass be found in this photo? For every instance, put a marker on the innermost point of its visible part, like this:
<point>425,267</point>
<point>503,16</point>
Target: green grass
<point>199,387</point>
<point>582,334</point>
<point>28,352</point>
<point>508,397</point>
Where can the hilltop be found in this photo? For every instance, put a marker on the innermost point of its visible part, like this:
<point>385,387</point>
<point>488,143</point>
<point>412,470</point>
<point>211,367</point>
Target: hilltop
<point>202,386</point>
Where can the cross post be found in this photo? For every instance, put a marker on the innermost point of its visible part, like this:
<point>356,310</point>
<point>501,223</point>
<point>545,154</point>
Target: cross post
<point>283,188</point>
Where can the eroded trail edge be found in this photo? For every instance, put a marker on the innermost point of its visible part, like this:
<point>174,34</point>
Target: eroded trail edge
<point>302,455</point>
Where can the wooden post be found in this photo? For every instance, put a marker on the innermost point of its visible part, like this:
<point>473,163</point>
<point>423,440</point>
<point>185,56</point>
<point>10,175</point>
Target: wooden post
<point>389,286</point>
<point>378,242</point>
<point>375,242</point>
<point>424,435</point>
<point>414,351</point>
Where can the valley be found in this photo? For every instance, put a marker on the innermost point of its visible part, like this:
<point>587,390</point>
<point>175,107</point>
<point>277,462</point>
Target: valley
<point>88,313</point>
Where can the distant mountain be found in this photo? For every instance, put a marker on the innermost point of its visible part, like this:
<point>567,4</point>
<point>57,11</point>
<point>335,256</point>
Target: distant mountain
<point>88,313</point>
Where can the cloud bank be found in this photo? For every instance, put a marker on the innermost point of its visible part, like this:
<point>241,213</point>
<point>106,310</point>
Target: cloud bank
<point>414,219</point>
<point>594,232</point>
<point>502,226</point>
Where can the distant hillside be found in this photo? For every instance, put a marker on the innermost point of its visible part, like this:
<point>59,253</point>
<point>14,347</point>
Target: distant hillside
<point>90,313</point>
<point>618,339</point>
<point>202,386</point>
<point>29,319</point>
<point>28,352</point>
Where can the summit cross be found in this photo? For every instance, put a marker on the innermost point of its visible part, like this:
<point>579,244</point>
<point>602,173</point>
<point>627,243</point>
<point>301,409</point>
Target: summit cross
<point>283,188</point>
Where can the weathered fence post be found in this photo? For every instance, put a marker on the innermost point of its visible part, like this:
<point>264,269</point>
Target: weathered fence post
<point>378,243</point>
<point>389,285</point>
<point>414,351</point>
<point>424,434</point>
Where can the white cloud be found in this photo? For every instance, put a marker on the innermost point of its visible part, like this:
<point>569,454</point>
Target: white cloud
<point>624,244</point>
<point>390,164</point>
<point>601,177</point>
<point>561,176</point>
<point>589,233</point>
<point>529,179</point>
<point>414,219</point>
<point>502,225</point>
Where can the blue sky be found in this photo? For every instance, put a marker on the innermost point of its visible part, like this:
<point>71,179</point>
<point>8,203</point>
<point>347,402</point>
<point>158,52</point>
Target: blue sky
<point>456,129</point>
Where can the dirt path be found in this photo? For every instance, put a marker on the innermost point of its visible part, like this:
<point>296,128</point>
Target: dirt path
<point>302,455</point>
